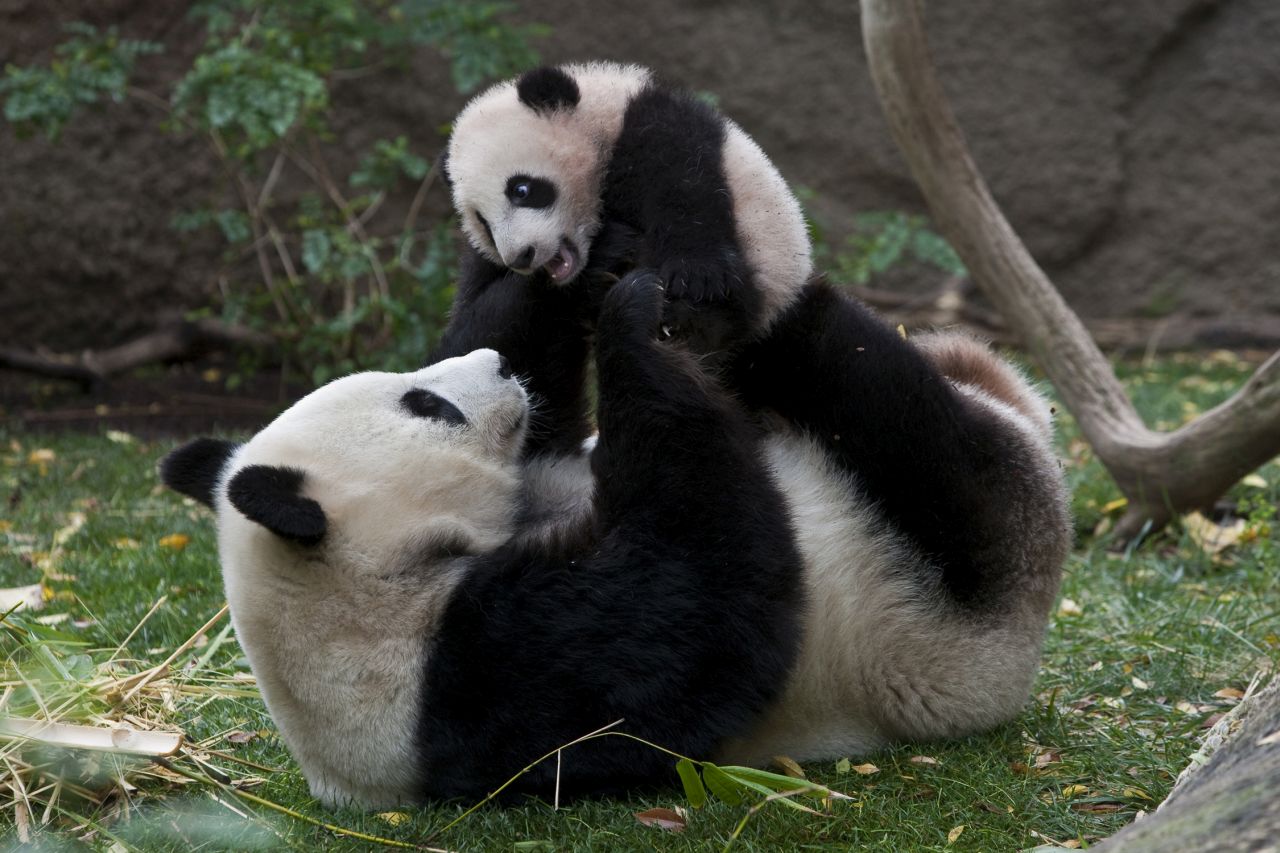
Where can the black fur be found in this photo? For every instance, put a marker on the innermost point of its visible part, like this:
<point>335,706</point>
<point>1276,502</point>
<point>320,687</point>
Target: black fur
<point>945,474</point>
<point>193,469</point>
<point>427,404</point>
<point>678,615</point>
<point>544,331</point>
<point>548,88</point>
<point>270,496</point>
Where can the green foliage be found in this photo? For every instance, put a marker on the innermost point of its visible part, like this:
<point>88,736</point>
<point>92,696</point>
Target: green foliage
<point>330,274</point>
<point>881,241</point>
<point>87,67</point>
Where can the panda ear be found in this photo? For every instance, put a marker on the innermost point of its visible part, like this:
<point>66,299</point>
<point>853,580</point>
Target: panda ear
<point>193,469</point>
<point>271,496</point>
<point>546,89</point>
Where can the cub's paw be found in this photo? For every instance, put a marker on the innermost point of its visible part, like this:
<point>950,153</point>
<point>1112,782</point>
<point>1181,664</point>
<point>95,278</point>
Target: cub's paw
<point>633,305</point>
<point>709,277</point>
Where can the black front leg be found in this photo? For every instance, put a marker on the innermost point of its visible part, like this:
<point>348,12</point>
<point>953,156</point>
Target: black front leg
<point>667,178</point>
<point>543,329</point>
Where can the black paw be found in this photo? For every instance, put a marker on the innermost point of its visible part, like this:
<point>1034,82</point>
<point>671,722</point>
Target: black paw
<point>633,305</point>
<point>701,278</point>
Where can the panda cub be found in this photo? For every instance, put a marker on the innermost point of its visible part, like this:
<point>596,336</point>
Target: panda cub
<point>409,639</point>
<point>552,171</point>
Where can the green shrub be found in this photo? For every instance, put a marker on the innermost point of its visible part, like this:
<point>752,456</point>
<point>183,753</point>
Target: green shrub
<point>341,287</point>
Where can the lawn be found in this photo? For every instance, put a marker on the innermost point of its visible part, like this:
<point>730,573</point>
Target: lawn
<point>1148,647</point>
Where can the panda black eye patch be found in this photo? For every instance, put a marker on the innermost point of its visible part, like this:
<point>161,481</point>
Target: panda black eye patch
<point>524,191</point>
<point>422,403</point>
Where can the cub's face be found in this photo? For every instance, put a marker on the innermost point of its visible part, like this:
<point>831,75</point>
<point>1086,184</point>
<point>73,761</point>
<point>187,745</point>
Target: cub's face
<point>527,159</point>
<point>526,186</point>
<point>371,465</point>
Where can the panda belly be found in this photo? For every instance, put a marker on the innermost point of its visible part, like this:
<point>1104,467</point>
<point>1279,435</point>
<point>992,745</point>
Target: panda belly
<point>885,656</point>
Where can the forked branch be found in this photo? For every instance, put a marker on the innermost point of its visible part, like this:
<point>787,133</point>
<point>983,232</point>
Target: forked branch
<point>1161,474</point>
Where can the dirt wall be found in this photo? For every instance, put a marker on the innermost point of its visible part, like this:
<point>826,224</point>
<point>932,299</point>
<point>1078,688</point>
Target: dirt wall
<point>1134,146</point>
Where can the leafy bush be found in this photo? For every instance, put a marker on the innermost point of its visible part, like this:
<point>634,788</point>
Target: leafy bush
<point>342,287</point>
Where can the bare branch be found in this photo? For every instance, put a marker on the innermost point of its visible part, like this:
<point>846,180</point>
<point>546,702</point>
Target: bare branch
<point>1160,474</point>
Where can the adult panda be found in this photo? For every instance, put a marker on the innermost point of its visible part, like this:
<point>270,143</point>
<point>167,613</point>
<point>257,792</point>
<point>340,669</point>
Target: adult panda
<point>412,638</point>
<point>551,172</point>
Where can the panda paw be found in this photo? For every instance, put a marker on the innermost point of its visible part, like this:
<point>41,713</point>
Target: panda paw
<point>712,277</point>
<point>633,306</point>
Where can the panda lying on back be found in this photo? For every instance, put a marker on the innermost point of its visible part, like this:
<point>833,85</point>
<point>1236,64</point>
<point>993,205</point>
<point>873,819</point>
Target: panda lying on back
<point>411,640</point>
<point>547,168</point>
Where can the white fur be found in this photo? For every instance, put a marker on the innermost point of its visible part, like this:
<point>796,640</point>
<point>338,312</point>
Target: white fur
<point>335,633</point>
<point>496,137</point>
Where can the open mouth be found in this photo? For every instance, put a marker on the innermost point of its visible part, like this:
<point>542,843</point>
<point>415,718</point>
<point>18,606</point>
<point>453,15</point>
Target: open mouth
<point>564,264</point>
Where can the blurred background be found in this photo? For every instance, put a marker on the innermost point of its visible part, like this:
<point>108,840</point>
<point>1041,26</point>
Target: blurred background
<point>245,187</point>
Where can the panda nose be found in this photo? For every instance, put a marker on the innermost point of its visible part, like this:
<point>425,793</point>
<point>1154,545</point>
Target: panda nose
<point>504,367</point>
<point>525,260</point>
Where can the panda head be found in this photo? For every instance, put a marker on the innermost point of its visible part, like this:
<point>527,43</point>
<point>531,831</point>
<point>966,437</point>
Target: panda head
<point>526,162</point>
<point>367,470</point>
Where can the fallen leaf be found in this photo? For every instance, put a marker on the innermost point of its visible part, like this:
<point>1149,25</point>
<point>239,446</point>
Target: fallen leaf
<point>1212,538</point>
<point>1230,693</point>
<point>954,834</point>
<point>865,769</point>
<point>1019,767</point>
<point>1074,791</point>
<point>924,759</point>
<point>1136,793</point>
<point>843,766</point>
<point>667,819</point>
<point>1069,608</point>
<point>1254,481</point>
<point>31,597</point>
<point>42,456</point>
<point>789,766</point>
<point>1211,720</point>
<point>1045,757</point>
<point>241,737</point>
<point>393,818</point>
<point>175,541</point>
<point>124,543</point>
<point>1107,807</point>
<point>1118,503</point>
<point>902,331</point>
<point>119,437</point>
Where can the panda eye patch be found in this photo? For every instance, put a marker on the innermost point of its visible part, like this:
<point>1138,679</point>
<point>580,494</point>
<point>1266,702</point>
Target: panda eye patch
<point>524,191</point>
<point>422,403</point>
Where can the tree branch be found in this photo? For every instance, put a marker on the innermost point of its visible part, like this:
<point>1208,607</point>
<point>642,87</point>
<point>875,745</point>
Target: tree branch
<point>1160,474</point>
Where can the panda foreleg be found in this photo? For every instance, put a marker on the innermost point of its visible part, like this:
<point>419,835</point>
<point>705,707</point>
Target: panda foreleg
<point>543,332</point>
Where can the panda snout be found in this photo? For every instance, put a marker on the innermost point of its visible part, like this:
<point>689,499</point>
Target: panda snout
<point>523,262</point>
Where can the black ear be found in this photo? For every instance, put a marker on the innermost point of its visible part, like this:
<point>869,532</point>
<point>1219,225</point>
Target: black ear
<point>546,89</point>
<point>193,468</point>
<point>270,496</point>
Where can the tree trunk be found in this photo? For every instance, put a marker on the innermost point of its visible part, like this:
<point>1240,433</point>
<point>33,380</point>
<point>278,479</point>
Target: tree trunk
<point>1231,802</point>
<point>1161,474</point>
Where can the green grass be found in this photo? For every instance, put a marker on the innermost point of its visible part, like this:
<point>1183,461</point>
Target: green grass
<point>1127,685</point>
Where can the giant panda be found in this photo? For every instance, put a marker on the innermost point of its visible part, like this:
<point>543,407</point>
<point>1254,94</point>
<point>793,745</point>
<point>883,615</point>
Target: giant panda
<point>920,480</point>
<point>416,633</point>
<point>551,172</point>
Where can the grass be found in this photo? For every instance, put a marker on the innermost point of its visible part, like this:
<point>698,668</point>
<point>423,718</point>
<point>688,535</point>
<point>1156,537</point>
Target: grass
<point>1147,648</point>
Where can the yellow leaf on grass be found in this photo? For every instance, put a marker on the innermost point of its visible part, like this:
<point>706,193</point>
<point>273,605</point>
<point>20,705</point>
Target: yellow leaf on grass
<point>1230,693</point>
<point>115,435</point>
<point>927,760</point>
<point>843,765</point>
<point>789,766</point>
<point>5,526</point>
<point>124,543</point>
<point>1254,481</point>
<point>671,821</point>
<point>954,833</point>
<point>1074,790</point>
<point>1067,607</point>
<point>1118,503</point>
<point>175,541</point>
<point>394,818</point>
<point>1212,538</point>
<point>41,456</point>
<point>865,769</point>
<point>1136,793</point>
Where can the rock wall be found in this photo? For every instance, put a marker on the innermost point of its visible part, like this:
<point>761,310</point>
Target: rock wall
<point>1135,146</point>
